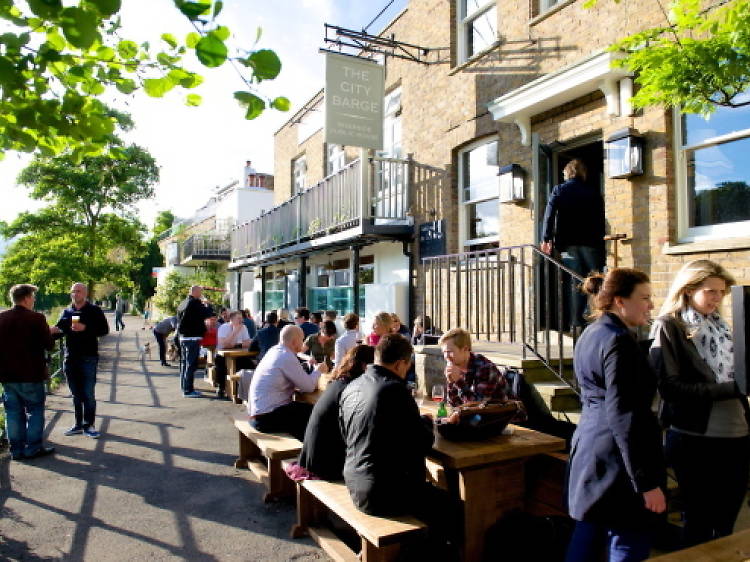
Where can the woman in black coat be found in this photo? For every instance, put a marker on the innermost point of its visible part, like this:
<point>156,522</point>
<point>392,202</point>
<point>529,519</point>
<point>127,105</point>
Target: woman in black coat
<point>708,420</point>
<point>323,448</point>
<point>616,473</point>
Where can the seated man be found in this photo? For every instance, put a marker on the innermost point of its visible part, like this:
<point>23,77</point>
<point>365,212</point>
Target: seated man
<point>349,339</point>
<point>277,376</point>
<point>386,438</point>
<point>470,376</point>
<point>302,319</point>
<point>267,336</point>
<point>231,335</point>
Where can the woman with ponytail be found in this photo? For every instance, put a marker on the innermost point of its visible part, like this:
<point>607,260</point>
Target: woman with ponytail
<point>616,474</point>
<point>706,417</point>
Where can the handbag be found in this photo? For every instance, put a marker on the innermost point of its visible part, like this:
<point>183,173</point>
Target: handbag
<point>481,420</point>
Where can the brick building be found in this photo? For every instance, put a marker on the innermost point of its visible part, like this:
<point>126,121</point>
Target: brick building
<point>529,84</point>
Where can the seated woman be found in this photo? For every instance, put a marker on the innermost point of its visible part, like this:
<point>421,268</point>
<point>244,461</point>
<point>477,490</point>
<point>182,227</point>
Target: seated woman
<point>323,449</point>
<point>381,326</point>
<point>322,345</point>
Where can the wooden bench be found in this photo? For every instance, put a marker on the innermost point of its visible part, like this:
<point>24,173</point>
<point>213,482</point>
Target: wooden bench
<point>262,454</point>
<point>380,537</point>
<point>734,548</point>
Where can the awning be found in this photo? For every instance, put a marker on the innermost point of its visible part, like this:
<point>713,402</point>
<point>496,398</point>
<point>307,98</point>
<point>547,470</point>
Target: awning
<point>557,88</point>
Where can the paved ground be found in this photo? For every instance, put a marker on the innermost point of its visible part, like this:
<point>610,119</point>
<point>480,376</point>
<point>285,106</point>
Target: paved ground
<point>159,484</point>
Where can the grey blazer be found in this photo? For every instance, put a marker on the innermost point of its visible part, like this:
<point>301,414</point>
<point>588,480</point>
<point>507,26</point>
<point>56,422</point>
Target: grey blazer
<point>687,384</point>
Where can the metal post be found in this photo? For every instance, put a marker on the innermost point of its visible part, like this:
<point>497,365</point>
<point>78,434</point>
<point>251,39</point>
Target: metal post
<point>239,289</point>
<point>263,293</point>
<point>355,278</point>
<point>302,282</point>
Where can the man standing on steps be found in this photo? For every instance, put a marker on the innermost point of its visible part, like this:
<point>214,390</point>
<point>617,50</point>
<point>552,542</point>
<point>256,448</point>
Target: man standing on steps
<point>24,336</point>
<point>191,325</point>
<point>83,324</point>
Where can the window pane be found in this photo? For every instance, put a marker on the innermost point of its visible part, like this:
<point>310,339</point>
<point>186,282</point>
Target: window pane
<point>470,7</point>
<point>484,219</point>
<point>482,32</point>
<point>479,177</point>
<point>724,120</point>
<point>718,178</point>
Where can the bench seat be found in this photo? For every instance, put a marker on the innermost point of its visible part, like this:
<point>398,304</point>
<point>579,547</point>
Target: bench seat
<point>262,454</point>
<point>381,537</point>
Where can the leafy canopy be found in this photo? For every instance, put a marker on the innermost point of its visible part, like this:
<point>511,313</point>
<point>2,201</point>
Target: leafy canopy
<point>698,60</point>
<point>57,62</point>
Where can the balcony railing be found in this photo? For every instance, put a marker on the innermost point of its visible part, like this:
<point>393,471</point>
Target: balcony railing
<point>377,193</point>
<point>206,247</point>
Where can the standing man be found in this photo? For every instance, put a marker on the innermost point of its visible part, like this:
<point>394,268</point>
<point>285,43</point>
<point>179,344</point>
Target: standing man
<point>161,331</point>
<point>24,336</point>
<point>83,324</point>
<point>574,226</point>
<point>191,326</point>
<point>119,309</point>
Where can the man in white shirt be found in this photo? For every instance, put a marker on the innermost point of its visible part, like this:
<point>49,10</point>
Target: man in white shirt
<point>349,339</point>
<point>279,373</point>
<point>232,334</point>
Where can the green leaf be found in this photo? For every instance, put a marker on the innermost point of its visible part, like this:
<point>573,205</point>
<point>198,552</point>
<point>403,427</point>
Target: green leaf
<point>281,103</point>
<point>265,64</point>
<point>169,39</point>
<point>45,9</point>
<point>157,87</point>
<point>107,8</point>
<point>193,9</point>
<point>80,27</point>
<point>211,51</point>
<point>105,53</point>
<point>218,5</point>
<point>56,40</point>
<point>192,80</point>
<point>192,38</point>
<point>253,103</point>
<point>222,33</point>
<point>127,49</point>
<point>8,73</point>
<point>126,86</point>
<point>193,99</point>
<point>258,33</point>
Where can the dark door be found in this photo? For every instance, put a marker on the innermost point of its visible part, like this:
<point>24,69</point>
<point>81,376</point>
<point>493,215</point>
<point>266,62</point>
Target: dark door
<point>545,278</point>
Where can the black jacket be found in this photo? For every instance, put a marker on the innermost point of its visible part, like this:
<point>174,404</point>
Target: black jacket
<point>323,449</point>
<point>85,343</point>
<point>616,453</point>
<point>265,339</point>
<point>386,443</point>
<point>190,318</point>
<point>24,337</point>
<point>574,216</point>
<point>687,384</point>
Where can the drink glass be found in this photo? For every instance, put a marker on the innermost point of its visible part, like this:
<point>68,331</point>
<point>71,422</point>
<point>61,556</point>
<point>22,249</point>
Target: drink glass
<point>75,320</point>
<point>438,393</point>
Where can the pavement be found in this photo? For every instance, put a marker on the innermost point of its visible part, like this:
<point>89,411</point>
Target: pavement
<point>159,484</point>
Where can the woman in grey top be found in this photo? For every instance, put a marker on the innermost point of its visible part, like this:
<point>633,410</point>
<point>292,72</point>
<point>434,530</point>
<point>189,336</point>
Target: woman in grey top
<point>708,420</point>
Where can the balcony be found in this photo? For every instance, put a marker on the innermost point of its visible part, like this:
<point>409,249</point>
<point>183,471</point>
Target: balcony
<point>200,249</point>
<point>369,202</point>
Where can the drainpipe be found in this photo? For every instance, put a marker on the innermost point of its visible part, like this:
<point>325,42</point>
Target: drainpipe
<point>355,278</point>
<point>302,282</point>
<point>408,251</point>
<point>239,290</point>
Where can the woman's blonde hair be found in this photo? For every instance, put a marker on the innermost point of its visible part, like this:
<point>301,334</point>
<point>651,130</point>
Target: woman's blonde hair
<point>692,275</point>
<point>384,319</point>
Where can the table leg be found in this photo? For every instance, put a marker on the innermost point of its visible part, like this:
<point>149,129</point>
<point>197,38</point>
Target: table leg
<point>486,494</point>
<point>231,368</point>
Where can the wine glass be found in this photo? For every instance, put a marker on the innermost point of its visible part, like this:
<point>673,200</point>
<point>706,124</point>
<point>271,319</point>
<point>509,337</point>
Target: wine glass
<point>438,393</point>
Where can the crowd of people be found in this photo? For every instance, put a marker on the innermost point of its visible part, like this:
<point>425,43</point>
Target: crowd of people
<point>366,427</point>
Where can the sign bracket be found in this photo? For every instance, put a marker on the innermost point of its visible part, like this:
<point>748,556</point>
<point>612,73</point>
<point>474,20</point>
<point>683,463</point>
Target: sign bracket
<point>361,41</point>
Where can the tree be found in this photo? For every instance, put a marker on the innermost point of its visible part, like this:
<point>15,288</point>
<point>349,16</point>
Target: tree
<point>143,266</point>
<point>697,60</point>
<point>175,287</point>
<point>57,62</point>
<point>88,231</point>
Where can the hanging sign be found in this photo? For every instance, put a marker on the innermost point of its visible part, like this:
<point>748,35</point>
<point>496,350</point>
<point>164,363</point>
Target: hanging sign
<point>354,101</point>
<point>432,239</point>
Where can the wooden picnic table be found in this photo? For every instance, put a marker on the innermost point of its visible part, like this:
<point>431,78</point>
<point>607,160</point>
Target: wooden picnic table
<point>734,548</point>
<point>312,397</point>
<point>230,357</point>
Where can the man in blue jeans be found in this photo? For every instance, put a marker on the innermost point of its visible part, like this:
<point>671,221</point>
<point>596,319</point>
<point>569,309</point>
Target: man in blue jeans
<point>83,324</point>
<point>24,337</point>
<point>191,325</point>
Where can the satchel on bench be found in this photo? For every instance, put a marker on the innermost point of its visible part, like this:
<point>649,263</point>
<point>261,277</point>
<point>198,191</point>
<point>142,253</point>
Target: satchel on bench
<point>480,420</point>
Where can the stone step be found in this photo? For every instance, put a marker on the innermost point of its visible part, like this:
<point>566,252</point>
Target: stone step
<point>558,397</point>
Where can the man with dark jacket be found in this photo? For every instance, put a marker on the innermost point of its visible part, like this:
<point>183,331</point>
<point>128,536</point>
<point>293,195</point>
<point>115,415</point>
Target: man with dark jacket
<point>267,336</point>
<point>191,325</point>
<point>386,438</point>
<point>24,336</point>
<point>574,226</point>
<point>302,319</point>
<point>83,324</point>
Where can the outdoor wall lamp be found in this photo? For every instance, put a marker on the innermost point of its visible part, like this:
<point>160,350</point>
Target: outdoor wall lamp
<point>624,153</point>
<point>511,179</point>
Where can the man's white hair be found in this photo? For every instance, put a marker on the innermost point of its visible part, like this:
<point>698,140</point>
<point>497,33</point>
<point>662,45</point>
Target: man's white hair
<point>289,333</point>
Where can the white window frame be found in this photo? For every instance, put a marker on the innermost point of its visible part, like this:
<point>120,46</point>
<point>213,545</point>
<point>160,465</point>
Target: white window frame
<point>335,158</point>
<point>299,174</point>
<point>463,216</point>
<point>685,232</point>
<point>545,5</point>
<point>392,127</point>
<point>464,22</point>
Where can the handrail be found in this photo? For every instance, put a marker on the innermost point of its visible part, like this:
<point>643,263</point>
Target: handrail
<point>512,294</point>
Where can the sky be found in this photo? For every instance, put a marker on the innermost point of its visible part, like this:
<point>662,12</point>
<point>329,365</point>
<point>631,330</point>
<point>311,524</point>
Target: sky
<point>199,148</point>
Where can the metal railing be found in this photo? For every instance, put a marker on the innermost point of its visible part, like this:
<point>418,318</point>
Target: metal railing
<point>378,191</point>
<point>215,245</point>
<point>513,295</point>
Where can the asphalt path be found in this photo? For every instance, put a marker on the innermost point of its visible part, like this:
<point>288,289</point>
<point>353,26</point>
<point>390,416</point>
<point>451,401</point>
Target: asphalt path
<point>159,484</point>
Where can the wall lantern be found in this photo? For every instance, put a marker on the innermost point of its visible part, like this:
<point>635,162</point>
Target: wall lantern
<point>624,153</point>
<point>511,178</point>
